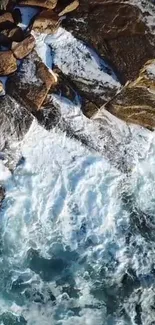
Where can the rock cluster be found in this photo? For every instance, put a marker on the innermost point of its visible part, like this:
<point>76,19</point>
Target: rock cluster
<point>117,30</point>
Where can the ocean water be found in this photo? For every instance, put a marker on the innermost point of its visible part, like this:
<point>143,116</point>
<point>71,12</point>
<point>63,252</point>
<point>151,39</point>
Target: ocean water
<point>77,236</point>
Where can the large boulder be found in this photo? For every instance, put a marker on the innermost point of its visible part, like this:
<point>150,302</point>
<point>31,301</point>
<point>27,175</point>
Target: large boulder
<point>31,84</point>
<point>23,48</point>
<point>47,22</point>
<point>5,19</point>
<point>117,31</point>
<point>8,63</point>
<point>135,103</point>
<point>49,4</point>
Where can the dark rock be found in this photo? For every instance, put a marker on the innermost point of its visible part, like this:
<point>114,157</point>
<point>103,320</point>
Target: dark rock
<point>31,84</point>
<point>2,195</point>
<point>15,121</point>
<point>46,22</point>
<point>11,34</point>
<point>23,48</point>
<point>8,63</point>
<point>17,16</point>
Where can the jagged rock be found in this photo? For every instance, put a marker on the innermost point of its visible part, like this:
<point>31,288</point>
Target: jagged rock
<point>64,7</point>
<point>117,31</point>
<point>22,49</point>
<point>49,4</point>
<point>30,85</point>
<point>8,63</point>
<point>47,22</point>
<point>136,101</point>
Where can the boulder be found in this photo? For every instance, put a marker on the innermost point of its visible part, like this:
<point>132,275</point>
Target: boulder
<point>30,85</point>
<point>135,103</point>
<point>48,4</point>
<point>8,63</point>
<point>5,19</point>
<point>64,7</point>
<point>47,22</point>
<point>117,31</point>
<point>23,48</point>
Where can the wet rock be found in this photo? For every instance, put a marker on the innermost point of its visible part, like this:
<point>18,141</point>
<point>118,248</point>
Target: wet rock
<point>65,88</point>
<point>31,84</point>
<point>15,121</point>
<point>8,63</point>
<point>117,31</point>
<point>23,48</point>
<point>47,22</point>
<point>89,108</point>
<point>64,7</point>
<point>49,4</point>
<point>135,103</point>
<point>2,195</point>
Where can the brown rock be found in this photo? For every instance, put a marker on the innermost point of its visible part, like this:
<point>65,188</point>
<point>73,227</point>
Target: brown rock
<point>30,85</point>
<point>136,101</point>
<point>49,4</point>
<point>8,63</point>
<point>64,7</point>
<point>23,48</point>
<point>47,22</point>
<point>117,31</point>
<point>5,19</point>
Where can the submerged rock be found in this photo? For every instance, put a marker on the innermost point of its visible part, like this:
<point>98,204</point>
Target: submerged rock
<point>135,103</point>
<point>8,63</point>
<point>117,31</point>
<point>31,84</point>
<point>47,22</point>
<point>23,48</point>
